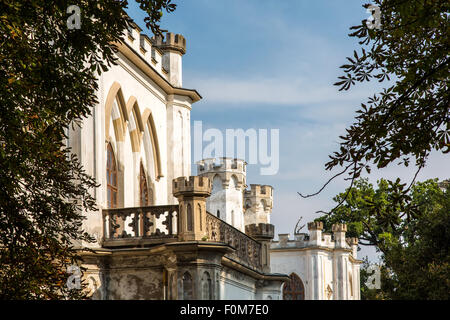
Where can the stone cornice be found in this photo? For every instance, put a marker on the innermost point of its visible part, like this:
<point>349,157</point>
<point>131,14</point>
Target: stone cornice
<point>145,67</point>
<point>252,273</point>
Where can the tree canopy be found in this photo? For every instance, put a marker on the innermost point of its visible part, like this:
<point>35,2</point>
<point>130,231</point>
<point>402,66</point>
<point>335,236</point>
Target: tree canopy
<point>48,81</point>
<point>412,233</point>
<point>411,117</point>
<point>408,51</point>
<point>405,44</point>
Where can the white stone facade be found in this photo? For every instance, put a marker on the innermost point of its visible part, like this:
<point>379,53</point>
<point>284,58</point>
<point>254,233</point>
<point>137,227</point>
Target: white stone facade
<point>329,269</point>
<point>143,119</point>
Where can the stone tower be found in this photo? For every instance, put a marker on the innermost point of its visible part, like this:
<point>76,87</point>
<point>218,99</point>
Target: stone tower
<point>191,194</point>
<point>257,209</point>
<point>228,184</point>
<point>258,204</point>
<point>173,47</point>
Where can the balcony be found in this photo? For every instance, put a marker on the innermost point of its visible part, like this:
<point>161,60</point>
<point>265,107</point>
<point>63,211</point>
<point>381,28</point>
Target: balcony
<point>140,226</point>
<point>153,225</point>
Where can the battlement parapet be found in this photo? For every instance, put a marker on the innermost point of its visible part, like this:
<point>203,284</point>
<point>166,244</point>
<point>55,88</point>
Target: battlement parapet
<point>171,41</point>
<point>155,51</point>
<point>260,231</point>
<point>259,190</point>
<point>315,225</point>
<point>299,237</point>
<point>259,195</point>
<point>339,227</point>
<point>305,240</point>
<point>192,186</point>
<point>226,168</point>
<point>221,165</point>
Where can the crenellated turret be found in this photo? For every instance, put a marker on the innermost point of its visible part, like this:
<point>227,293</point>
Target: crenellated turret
<point>315,232</point>
<point>339,230</point>
<point>162,53</point>
<point>173,47</point>
<point>258,203</point>
<point>228,183</point>
<point>225,168</point>
<point>262,232</point>
<point>353,243</point>
<point>193,186</point>
<point>174,42</point>
<point>192,193</point>
<point>145,47</point>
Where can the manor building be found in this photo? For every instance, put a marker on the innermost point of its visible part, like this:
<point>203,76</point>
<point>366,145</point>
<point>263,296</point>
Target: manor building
<point>160,232</point>
<point>320,266</point>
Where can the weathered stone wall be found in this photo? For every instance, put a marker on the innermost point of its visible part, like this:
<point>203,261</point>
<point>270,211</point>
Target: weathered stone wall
<point>128,275</point>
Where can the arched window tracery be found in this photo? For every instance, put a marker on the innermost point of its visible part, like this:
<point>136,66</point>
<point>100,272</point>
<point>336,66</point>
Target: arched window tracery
<point>294,288</point>
<point>145,196</point>
<point>111,178</point>
<point>187,286</point>
<point>206,286</point>
<point>190,218</point>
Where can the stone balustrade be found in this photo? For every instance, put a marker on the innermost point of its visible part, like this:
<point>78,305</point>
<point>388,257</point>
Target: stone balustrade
<point>145,226</point>
<point>248,250</point>
<point>140,225</point>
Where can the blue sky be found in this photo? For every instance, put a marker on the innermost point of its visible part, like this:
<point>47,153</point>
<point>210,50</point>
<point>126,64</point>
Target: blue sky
<point>269,64</point>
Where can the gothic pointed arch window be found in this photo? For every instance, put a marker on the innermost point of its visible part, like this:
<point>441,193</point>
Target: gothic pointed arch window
<point>217,184</point>
<point>294,288</point>
<point>199,207</point>
<point>206,286</point>
<point>188,292</point>
<point>190,218</point>
<point>111,178</point>
<point>145,196</point>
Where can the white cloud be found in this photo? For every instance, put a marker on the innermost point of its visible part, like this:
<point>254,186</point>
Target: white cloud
<point>280,91</point>
<point>299,67</point>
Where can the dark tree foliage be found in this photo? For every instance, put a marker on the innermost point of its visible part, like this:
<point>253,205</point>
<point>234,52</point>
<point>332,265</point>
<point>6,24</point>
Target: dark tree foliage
<point>411,117</point>
<point>47,83</point>
<point>403,124</point>
<point>411,231</point>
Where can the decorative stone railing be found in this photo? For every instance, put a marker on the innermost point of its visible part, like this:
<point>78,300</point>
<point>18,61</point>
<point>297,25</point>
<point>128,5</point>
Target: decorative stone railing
<point>140,225</point>
<point>248,250</point>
